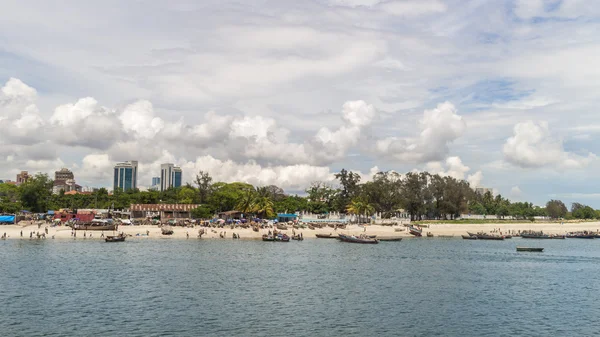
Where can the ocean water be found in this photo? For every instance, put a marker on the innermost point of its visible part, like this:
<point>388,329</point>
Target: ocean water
<point>416,287</point>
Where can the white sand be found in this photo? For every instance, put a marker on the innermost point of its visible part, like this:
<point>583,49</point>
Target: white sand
<point>63,232</point>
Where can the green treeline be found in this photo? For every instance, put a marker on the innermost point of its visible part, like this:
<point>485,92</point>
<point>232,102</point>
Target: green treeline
<point>421,195</point>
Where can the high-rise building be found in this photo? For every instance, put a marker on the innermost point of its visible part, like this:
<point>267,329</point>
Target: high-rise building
<point>177,176</point>
<point>64,174</point>
<point>170,176</point>
<point>125,176</point>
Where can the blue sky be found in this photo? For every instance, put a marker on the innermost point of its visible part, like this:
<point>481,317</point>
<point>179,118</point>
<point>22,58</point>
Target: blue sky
<point>501,93</point>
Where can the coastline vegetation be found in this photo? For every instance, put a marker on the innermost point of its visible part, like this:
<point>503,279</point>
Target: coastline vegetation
<point>421,196</point>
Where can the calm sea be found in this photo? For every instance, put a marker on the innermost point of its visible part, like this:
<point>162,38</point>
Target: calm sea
<point>417,287</point>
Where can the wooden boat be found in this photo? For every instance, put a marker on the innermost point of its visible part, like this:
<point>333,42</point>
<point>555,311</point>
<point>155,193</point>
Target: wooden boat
<point>469,237</point>
<point>354,239</point>
<point>415,231</point>
<point>96,225</point>
<point>489,237</point>
<point>266,237</point>
<point>429,234</point>
<point>282,227</point>
<point>282,238</point>
<point>311,227</point>
<point>529,249</point>
<point>483,236</point>
<point>390,239</point>
<point>115,238</point>
<point>581,236</point>
<point>166,230</point>
<point>326,236</point>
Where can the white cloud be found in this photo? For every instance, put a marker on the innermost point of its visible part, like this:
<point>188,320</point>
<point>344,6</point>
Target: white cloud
<point>532,145</point>
<point>413,7</point>
<point>455,168</point>
<point>439,127</point>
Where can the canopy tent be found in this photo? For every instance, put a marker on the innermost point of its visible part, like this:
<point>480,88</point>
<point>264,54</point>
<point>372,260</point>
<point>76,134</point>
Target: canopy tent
<point>7,219</point>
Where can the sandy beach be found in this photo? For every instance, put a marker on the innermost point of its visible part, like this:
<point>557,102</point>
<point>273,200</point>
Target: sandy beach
<point>140,232</point>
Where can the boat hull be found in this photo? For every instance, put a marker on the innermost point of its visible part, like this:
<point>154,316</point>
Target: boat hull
<point>529,249</point>
<point>351,239</point>
<point>325,236</point>
<point>109,227</point>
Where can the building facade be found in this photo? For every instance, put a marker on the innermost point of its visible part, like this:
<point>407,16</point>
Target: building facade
<point>68,185</point>
<point>64,174</point>
<point>170,176</point>
<point>22,177</point>
<point>155,181</point>
<point>125,176</point>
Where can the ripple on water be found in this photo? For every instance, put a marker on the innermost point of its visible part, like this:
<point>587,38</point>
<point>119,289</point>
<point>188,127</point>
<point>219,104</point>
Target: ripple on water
<point>311,288</point>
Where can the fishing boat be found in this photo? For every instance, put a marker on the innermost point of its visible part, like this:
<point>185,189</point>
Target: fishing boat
<point>266,237</point>
<point>355,239</point>
<point>529,249</point>
<point>96,225</point>
<point>281,227</point>
<point>282,238</point>
<point>416,231</point>
<point>469,237</point>
<point>115,238</point>
<point>541,236</point>
<point>326,236</point>
<point>484,236</point>
<point>390,239</point>
<point>579,235</point>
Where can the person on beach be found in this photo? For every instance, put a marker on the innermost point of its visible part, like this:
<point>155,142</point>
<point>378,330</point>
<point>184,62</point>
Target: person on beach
<point>21,233</point>
<point>102,234</point>
<point>187,235</point>
<point>147,233</point>
<point>31,235</point>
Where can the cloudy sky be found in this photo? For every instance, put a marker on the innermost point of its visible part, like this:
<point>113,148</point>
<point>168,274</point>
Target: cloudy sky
<point>502,93</point>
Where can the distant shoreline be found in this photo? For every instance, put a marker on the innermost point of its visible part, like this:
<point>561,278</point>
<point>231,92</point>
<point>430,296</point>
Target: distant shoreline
<point>154,232</point>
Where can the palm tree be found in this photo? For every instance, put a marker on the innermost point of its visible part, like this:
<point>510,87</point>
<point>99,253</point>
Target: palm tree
<point>360,207</point>
<point>246,203</point>
<point>264,207</point>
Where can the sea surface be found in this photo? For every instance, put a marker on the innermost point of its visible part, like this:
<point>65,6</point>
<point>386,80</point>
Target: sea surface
<point>416,287</point>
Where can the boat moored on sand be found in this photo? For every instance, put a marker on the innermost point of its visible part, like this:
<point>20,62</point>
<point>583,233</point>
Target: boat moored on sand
<point>356,239</point>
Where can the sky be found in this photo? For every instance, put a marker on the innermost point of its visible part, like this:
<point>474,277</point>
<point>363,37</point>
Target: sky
<point>503,94</point>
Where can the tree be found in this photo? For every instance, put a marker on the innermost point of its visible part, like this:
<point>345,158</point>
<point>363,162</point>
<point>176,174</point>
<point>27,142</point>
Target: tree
<point>349,182</point>
<point>205,187</point>
<point>384,192</point>
<point>556,209</point>
<point>203,212</point>
<point>35,193</point>
<point>321,197</point>
<point>360,207</point>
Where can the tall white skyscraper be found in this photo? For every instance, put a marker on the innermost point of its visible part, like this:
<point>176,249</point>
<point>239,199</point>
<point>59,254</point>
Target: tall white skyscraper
<point>170,176</point>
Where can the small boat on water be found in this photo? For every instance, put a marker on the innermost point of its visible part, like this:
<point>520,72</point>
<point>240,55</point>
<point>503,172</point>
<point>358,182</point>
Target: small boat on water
<point>326,236</point>
<point>416,231</point>
<point>484,236</point>
<point>282,238</point>
<point>115,238</point>
<point>584,235</point>
<point>540,235</point>
<point>356,239</point>
<point>469,237</point>
<point>390,239</point>
<point>529,249</point>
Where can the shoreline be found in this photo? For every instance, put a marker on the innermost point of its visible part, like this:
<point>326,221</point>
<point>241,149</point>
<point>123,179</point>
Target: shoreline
<point>443,229</point>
